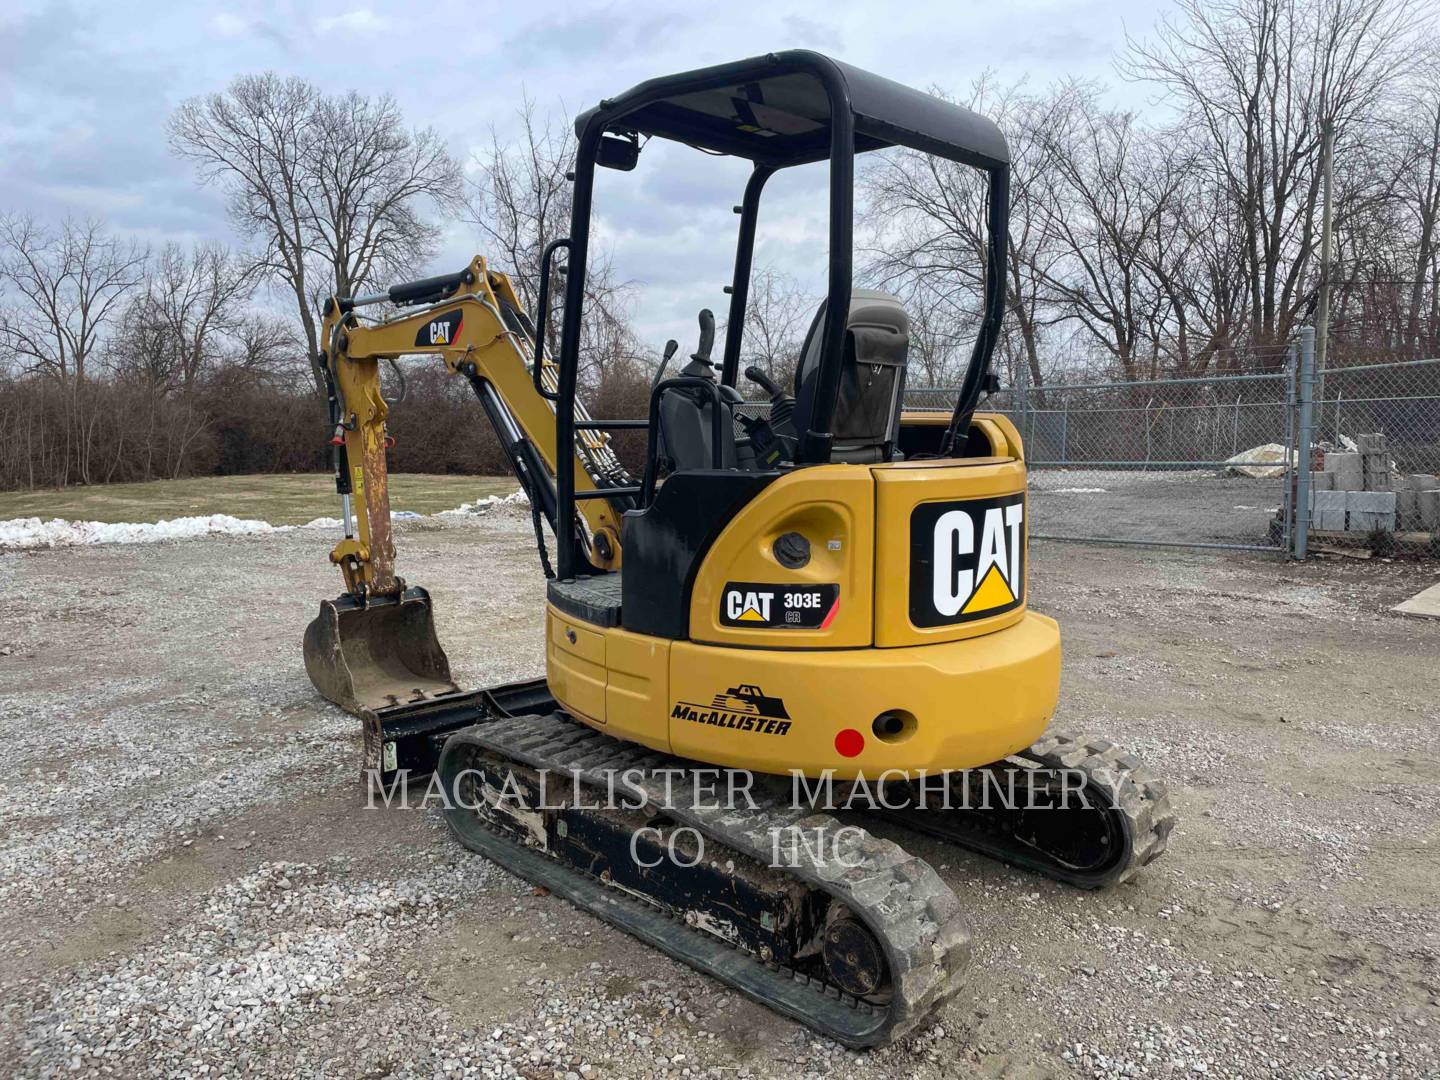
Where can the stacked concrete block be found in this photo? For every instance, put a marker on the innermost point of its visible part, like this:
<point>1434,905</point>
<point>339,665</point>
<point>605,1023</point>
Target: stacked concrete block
<point>1375,463</point>
<point>1360,491</point>
<point>1408,489</point>
<point>1370,510</point>
<point>1347,469</point>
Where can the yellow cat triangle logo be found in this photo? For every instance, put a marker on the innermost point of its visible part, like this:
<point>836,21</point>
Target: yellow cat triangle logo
<point>993,592</point>
<point>751,614</point>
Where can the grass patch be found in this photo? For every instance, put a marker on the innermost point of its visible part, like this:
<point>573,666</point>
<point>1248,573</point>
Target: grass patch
<point>290,499</point>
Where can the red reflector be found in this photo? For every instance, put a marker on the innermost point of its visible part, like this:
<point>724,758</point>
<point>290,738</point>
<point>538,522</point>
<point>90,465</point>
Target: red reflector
<point>849,742</point>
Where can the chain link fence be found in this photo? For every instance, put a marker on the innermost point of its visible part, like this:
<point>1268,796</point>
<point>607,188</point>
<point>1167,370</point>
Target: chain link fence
<point>1375,454</point>
<point>1212,461</point>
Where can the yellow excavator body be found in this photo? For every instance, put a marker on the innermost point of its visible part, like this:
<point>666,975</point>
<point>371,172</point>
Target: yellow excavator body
<point>852,685</point>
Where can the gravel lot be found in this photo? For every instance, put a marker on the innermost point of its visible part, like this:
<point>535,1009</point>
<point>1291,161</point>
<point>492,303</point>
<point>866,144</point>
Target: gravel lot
<point>1193,505</point>
<point>192,885</point>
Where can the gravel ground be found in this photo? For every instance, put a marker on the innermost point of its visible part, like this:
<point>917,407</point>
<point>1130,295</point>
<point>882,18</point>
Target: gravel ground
<point>192,885</point>
<point>1204,506</point>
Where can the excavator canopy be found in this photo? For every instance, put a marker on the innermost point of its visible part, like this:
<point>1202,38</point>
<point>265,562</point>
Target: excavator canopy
<point>779,109</point>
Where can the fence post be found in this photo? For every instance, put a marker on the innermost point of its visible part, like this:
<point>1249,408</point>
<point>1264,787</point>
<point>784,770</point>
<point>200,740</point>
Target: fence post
<point>1292,374</point>
<point>1305,400</point>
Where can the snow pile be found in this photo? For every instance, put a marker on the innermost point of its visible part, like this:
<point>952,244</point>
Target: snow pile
<point>34,533</point>
<point>490,502</point>
<point>21,533</point>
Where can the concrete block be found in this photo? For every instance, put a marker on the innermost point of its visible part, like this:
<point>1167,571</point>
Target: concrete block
<point>1370,510</point>
<point>1361,521</point>
<point>1322,481</point>
<point>1347,469</point>
<point>1407,509</point>
<point>1429,505</point>
<point>1370,502</point>
<point>1425,604</point>
<point>1370,444</point>
<point>1328,510</point>
<point>1376,468</point>
<point>1419,481</point>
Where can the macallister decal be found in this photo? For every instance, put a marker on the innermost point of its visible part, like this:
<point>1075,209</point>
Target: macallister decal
<point>740,708</point>
<point>762,606</point>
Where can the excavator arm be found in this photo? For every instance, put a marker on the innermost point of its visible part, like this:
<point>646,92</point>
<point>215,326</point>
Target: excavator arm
<point>478,330</point>
<point>375,646</point>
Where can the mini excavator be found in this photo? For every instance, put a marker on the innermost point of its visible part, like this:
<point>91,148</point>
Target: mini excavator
<point>811,586</point>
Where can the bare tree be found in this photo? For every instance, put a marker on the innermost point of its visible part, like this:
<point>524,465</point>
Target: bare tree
<point>261,348</point>
<point>64,289</point>
<point>372,179</point>
<point>1417,193</point>
<point>1258,79</point>
<point>936,358</point>
<point>519,200</point>
<point>776,310</point>
<point>333,188</point>
<point>1109,199</point>
<point>927,222</point>
<point>190,301</point>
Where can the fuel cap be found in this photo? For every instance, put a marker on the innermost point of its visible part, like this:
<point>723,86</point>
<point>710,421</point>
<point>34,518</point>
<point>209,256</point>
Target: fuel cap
<point>791,550</point>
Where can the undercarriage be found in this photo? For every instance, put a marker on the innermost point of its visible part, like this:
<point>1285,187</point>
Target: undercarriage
<point>773,885</point>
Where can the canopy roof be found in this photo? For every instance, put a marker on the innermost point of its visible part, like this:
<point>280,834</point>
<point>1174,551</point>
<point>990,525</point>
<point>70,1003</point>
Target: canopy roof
<point>777,109</point>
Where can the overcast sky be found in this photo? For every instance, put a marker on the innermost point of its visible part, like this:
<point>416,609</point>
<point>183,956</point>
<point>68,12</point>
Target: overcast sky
<point>85,90</point>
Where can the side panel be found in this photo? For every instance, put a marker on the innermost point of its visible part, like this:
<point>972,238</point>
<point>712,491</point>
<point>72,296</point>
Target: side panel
<point>637,700</point>
<point>609,678</point>
<point>954,539</point>
<point>741,593</point>
<point>575,664</point>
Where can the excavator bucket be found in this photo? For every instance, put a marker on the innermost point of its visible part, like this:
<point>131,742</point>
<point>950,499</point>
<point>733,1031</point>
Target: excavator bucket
<point>368,657</point>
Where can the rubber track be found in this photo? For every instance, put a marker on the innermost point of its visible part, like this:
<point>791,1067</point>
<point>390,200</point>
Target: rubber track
<point>914,915</point>
<point>1126,786</point>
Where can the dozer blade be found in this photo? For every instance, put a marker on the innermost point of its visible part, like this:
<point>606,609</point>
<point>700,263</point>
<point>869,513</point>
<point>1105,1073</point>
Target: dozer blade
<point>367,657</point>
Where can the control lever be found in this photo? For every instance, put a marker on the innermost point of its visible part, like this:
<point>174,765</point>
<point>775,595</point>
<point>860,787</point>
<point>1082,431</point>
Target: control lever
<point>707,337</point>
<point>773,438</point>
<point>671,348</point>
<point>760,379</point>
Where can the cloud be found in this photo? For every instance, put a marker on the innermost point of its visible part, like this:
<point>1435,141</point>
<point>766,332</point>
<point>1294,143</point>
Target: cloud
<point>596,36</point>
<point>228,24</point>
<point>809,34</point>
<point>359,21</point>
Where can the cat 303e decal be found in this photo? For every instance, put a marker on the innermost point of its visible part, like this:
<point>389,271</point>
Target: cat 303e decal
<point>967,559</point>
<point>778,607</point>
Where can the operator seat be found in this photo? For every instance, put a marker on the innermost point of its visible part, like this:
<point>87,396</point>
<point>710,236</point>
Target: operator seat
<point>872,378</point>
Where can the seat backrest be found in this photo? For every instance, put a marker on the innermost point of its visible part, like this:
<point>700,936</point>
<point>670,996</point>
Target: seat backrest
<point>872,377</point>
<point>685,430</point>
